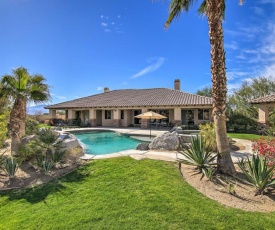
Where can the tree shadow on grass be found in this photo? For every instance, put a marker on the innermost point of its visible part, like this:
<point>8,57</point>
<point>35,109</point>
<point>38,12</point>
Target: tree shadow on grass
<point>39,193</point>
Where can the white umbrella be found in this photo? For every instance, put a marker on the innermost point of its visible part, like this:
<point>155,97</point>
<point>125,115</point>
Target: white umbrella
<point>150,115</point>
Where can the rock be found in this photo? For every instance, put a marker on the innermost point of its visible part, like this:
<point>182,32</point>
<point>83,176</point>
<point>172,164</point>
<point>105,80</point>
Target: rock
<point>143,146</point>
<point>167,141</point>
<point>26,140</point>
<point>73,148</point>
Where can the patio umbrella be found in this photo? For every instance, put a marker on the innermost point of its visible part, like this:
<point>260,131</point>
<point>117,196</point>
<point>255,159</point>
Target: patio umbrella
<point>150,115</point>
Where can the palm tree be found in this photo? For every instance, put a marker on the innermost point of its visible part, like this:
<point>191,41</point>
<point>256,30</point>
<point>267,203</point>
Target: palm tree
<point>22,88</point>
<point>214,10</point>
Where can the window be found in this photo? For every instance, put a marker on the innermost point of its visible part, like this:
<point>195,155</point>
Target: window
<point>203,114</point>
<point>122,114</point>
<point>108,114</point>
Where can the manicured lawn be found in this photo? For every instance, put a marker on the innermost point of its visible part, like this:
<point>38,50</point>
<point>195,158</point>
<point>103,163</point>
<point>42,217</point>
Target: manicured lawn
<point>244,136</point>
<point>43,126</point>
<point>122,193</point>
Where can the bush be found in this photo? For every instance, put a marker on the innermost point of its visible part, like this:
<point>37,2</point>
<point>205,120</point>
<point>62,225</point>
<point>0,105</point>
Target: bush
<point>265,146</point>
<point>239,123</point>
<point>198,155</point>
<point>31,126</point>
<point>3,128</point>
<point>46,147</point>
<point>208,131</point>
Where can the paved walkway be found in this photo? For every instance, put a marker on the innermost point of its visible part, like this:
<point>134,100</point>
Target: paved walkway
<point>143,134</point>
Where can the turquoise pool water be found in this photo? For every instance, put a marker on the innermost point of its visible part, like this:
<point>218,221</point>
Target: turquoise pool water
<point>105,142</point>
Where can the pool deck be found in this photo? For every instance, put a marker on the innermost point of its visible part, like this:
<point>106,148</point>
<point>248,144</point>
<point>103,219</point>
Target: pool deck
<point>152,154</point>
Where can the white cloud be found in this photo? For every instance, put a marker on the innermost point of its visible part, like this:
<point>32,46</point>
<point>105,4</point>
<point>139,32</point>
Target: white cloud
<point>258,10</point>
<point>118,16</point>
<point>61,97</point>
<point>232,45</point>
<point>101,16</point>
<point>58,96</point>
<point>234,73</point>
<point>104,24</point>
<point>267,1</point>
<point>107,30</point>
<point>99,88</point>
<point>231,87</point>
<point>153,67</point>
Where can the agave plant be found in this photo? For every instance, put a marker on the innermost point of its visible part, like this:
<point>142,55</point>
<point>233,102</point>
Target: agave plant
<point>198,154</point>
<point>11,166</point>
<point>258,172</point>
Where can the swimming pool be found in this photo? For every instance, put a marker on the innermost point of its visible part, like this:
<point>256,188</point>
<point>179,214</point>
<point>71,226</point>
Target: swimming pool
<point>105,142</point>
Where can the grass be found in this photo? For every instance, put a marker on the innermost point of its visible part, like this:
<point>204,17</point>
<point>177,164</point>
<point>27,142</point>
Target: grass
<point>43,125</point>
<point>244,136</point>
<point>122,193</point>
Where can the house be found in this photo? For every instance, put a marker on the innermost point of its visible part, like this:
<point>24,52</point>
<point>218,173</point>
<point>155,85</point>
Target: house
<point>118,108</point>
<point>264,103</point>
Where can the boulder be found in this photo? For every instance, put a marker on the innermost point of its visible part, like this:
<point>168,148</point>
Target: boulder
<point>27,139</point>
<point>143,146</point>
<point>167,141</point>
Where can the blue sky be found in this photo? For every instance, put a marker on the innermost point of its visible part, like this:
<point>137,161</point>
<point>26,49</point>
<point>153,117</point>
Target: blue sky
<point>82,46</point>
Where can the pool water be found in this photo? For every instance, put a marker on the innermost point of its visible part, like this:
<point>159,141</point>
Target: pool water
<point>105,142</point>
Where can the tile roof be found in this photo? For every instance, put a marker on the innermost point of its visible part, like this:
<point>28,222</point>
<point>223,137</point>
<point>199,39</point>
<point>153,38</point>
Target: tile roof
<point>266,99</point>
<point>135,97</point>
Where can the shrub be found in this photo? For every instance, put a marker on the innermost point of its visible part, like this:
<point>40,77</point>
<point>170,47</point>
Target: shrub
<point>208,131</point>
<point>258,172</point>
<point>265,146</point>
<point>31,126</point>
<point>240,123</point>
<point>46,145</point>
<point>3,128</point>
<point>198,155</point>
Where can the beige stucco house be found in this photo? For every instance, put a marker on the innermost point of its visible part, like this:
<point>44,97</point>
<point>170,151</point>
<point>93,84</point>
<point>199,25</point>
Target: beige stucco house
<point>118,108</point>
<point>264,103</point>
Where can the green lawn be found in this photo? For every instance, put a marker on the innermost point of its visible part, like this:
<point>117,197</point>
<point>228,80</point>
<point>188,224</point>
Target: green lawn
<point>122,193</point>
<point>244,136</point>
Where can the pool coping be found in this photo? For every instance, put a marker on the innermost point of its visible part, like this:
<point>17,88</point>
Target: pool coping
<point>151,154</point>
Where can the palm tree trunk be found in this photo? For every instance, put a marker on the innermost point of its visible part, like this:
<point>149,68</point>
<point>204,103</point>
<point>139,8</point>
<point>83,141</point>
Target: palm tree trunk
<point>214,15</point>
<point>16,116</point>
<point>23,117</point>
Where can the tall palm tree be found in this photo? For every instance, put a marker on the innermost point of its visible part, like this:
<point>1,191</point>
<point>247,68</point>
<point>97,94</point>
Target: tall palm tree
<point>21,88</point>
<point>214,10</point>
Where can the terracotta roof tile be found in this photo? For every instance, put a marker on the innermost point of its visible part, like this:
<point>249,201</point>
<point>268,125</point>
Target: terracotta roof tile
<point>266,99</point>
<point>135,97</point>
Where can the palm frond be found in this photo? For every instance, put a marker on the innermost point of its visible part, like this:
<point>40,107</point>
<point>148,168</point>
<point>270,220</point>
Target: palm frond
<point>175,9</point>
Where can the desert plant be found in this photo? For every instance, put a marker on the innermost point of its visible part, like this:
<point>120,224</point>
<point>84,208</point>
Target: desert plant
<point>10,166</point>
<point>47,144</point>
<point>230,186</point>
<point>258,172</point>
<point>47,165</point>
<point>57,155</point>
<point>197,154</point>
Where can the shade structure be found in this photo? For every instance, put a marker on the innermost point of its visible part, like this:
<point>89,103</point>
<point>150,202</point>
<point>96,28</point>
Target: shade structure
<point>150,115</point>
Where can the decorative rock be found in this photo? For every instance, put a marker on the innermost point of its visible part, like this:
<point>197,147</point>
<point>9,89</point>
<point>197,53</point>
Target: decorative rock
<point>143,146</point>
<point>27,139</point>
<point>167,141</point>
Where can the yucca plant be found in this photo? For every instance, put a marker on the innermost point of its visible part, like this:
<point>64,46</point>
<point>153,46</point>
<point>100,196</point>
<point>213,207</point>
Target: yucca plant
<point>198,155</point>
<point>10,166</point>
<point>258,172</point>
<point>47,165</point>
